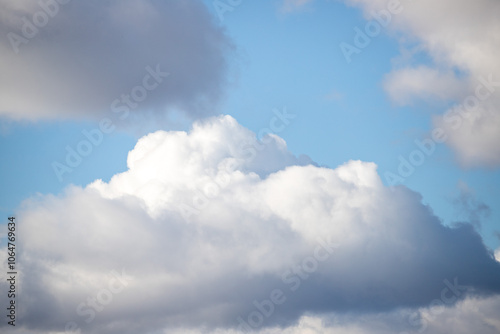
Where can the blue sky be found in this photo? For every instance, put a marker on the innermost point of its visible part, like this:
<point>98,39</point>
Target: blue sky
<point>261,59</point>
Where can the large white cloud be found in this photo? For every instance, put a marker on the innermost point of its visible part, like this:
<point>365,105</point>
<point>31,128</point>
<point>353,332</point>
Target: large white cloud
<point>462,40</point>
<point>73,59</point>
<point>293,5</point>
<point>208,222</point>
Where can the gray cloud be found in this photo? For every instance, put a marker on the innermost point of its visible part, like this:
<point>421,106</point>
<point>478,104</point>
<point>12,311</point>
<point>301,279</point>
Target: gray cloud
<point>88,53</point>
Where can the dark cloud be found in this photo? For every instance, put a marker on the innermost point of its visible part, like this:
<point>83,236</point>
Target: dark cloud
<point>87,54</point>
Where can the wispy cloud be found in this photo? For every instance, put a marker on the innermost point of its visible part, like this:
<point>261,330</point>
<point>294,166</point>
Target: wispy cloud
<point>468,207</point>
<point>289,6</point>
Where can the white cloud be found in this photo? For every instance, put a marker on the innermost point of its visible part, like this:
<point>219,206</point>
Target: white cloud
<point>460,37</point>
<point>211,221</point>
<point>406,85</point>
<point>473,132</point>
<point>86,54</point>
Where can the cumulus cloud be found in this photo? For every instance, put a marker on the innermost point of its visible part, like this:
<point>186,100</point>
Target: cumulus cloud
<point>73,59</point>
<point>206,227</point>
<point>461,39</point>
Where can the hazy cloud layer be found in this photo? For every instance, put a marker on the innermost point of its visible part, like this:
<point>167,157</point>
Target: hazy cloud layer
<point>72,59</point>
<point>205,224</point>
<point>462,40</point>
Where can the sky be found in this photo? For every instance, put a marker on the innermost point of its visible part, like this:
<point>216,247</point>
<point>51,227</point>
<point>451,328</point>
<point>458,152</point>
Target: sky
<point>227,166</point>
